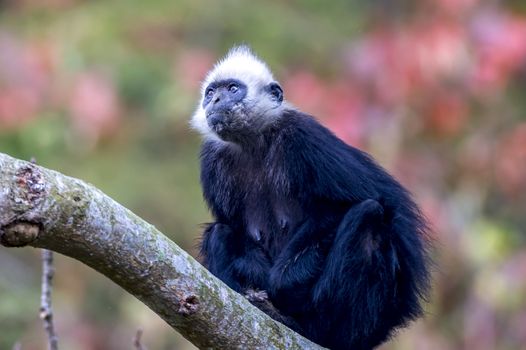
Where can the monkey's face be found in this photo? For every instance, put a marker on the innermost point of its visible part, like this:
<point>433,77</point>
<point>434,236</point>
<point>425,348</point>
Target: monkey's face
<point>235,110</point>
<point>224,106</point>
<point>239,99</point>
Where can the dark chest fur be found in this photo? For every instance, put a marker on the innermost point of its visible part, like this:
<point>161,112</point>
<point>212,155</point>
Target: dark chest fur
<point>249,190</point>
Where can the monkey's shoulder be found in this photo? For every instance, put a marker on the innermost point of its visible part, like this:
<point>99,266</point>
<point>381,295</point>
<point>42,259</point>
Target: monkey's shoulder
<point>322,164</point>
<point>302,135</point>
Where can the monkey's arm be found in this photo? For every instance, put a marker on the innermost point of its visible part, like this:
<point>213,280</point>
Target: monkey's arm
<point>374,273</point>
<point>216,255</point>
<point>332,178</point>
<point>234,259</point>
<point>329,177</point>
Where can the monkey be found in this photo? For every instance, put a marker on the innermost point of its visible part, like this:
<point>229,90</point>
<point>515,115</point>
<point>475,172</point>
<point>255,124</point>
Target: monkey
<point>311,229</point>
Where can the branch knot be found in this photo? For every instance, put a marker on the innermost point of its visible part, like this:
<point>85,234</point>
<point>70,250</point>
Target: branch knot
<point>188,305</point>
<point>19,234</point>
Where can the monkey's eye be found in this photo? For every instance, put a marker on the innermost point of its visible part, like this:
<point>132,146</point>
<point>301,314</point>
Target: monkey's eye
<point>233,88</point>
<point>276,91</point>
<point>209,93</point>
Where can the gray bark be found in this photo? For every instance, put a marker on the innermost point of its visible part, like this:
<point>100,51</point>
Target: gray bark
<point>45,209</point>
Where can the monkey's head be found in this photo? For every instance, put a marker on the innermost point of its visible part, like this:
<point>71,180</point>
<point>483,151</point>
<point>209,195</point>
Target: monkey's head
<point>240,98</point>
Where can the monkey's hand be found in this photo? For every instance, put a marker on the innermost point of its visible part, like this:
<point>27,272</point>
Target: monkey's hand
<point>256,296</point>
<point>260,299</point>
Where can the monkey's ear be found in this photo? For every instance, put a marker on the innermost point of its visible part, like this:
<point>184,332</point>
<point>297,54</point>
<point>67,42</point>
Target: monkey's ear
<point>275,91</point>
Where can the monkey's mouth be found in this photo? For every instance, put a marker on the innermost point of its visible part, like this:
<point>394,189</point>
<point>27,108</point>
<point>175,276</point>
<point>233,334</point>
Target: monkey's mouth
<point>217,120</point>
<point>223,122</point>
<point>230,124</point>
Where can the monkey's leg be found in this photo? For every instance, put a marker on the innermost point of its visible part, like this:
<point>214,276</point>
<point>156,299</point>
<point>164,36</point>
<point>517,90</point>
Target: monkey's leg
<point>361,255</point>
<point>358,283</point>
<point>298,261</point>
<point>296,269</point>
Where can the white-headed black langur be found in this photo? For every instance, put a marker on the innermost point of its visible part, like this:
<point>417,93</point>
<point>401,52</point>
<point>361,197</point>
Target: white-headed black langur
<point>310,229</point>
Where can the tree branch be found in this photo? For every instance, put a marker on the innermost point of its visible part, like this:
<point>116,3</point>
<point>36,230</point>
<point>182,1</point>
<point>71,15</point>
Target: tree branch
<point>45,209</point>
<point>46,311</point>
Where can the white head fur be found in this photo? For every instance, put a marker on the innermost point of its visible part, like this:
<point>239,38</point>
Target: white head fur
<point>241,64</point>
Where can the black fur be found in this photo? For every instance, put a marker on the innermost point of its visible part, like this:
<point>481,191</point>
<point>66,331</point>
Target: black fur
<point>336,242</point>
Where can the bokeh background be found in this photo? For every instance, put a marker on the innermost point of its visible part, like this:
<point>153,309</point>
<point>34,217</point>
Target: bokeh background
<point>434,89</point>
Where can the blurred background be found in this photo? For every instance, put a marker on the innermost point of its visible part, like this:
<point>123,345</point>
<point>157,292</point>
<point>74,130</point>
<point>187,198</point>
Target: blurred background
<point>434,89</point>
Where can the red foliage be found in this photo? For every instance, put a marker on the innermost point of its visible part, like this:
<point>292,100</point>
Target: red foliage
<point>499,44</point>
<point>306,89</point>
<point>25,77</point>
<point>438,66</point>
<point>341,101</point>
<point>94,105</point>
<point>446,113</point>
<point>192,66</point>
